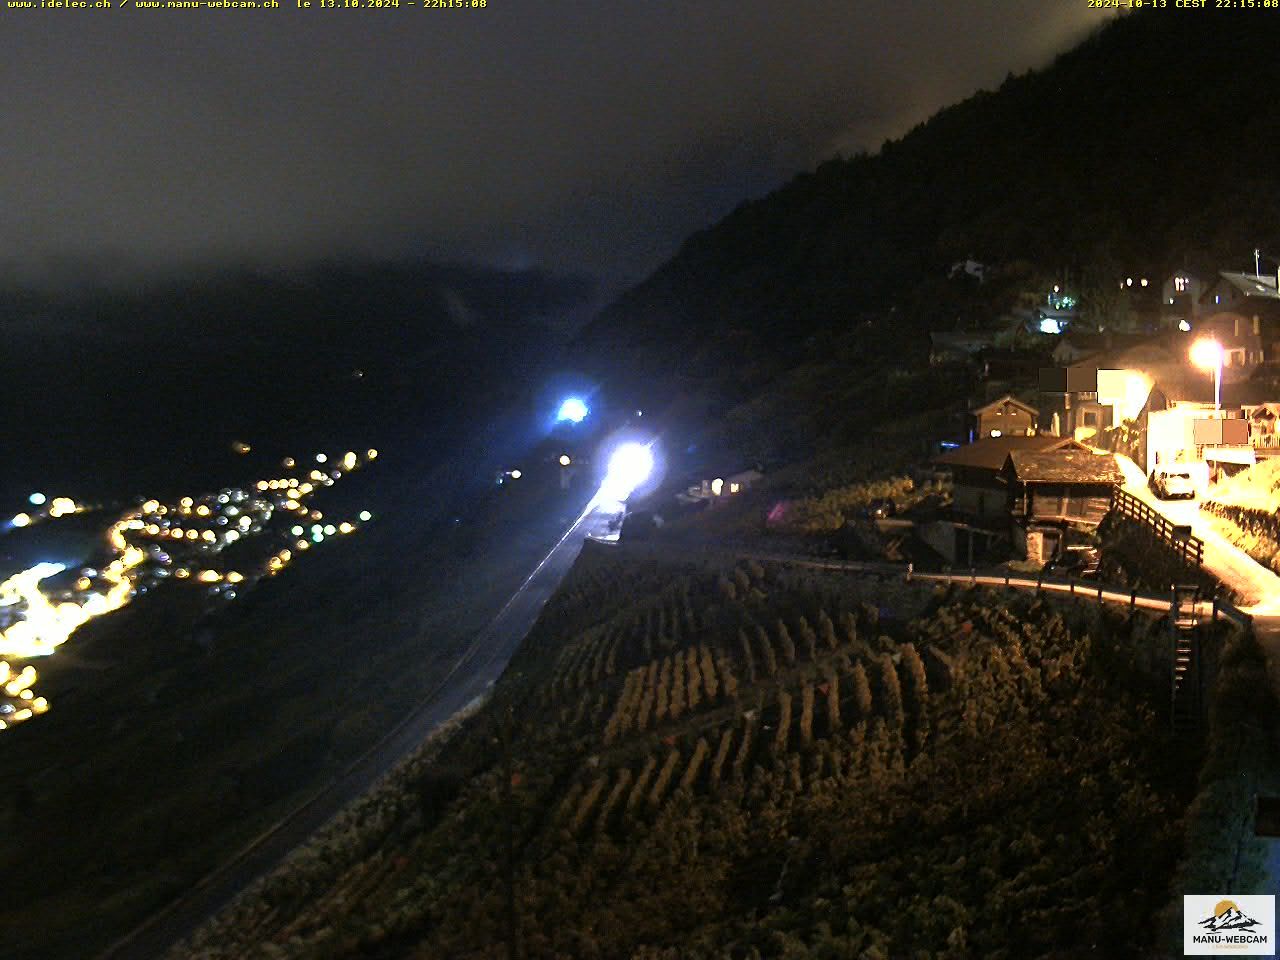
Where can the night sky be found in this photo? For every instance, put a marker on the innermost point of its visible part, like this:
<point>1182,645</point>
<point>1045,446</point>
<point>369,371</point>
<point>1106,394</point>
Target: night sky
<point>585,136</point>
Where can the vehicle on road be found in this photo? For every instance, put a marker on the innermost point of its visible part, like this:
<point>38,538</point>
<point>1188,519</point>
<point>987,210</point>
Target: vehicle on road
<point>1172,484</point>
<point>1075,560</point>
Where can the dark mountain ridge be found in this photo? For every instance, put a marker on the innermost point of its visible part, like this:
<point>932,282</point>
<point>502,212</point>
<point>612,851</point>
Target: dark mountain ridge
<point>1145,147</point>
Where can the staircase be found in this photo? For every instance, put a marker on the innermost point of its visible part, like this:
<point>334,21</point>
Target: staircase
<point>1187,681</point>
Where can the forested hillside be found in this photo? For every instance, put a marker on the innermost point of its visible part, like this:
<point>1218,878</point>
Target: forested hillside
<point>690,759</point>
<point>1139,150</point>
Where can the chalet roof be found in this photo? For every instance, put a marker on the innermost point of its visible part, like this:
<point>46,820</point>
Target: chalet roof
<point>1110,342</point>
<point>1106,340</point>
<point>1194,386</point>
<point>1064,466</point>
<point>990,453</point>
<point>1001,401</point>
<point>1122,351</point>
<point>1252,286</point>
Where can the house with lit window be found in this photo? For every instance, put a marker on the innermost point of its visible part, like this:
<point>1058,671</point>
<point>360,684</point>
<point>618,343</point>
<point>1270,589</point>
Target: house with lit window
<point>1105,389</point>
<point>1005,417</point>
<point>718,488</point>
<point>1242,312</point>
<point>1180,300</point>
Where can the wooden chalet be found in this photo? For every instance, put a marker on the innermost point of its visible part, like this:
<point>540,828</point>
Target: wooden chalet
<point>1051,491</point>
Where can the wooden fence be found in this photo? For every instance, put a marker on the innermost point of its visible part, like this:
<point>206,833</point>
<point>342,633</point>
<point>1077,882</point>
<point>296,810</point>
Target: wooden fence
<point>1179,539</point>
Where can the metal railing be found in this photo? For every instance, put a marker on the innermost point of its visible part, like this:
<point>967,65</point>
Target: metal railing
<point>1188,547</point>
<point>1211,608</point>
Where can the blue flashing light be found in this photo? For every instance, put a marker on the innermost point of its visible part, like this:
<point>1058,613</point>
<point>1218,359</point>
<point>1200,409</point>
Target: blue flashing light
<point>573,410</point>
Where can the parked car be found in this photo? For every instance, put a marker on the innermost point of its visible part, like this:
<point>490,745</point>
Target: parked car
<point>1075,560</point>
<point>1172,484</point>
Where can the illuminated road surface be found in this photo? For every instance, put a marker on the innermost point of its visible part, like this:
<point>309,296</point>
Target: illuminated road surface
<point>470,677</point>
<point>1259,586</point>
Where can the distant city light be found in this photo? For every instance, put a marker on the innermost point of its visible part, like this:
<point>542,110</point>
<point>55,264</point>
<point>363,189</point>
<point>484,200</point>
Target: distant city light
<point>321,458</point>
<point>62,506</point>
<point>366,516</point>
<point>37,622</point>
<point>565,460</point>
<point>573,410</point>
<point>516,474</point>
<point>1184,326</point>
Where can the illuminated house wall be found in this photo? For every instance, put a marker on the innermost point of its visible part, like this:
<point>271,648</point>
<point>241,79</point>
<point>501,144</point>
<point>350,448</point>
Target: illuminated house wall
<point>1125,391</point>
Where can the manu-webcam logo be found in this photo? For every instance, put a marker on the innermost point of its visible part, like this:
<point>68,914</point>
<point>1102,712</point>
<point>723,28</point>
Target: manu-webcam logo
<point>1239,926</point>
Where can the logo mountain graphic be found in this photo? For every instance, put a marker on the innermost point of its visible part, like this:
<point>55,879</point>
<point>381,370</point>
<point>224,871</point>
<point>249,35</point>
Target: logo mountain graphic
<point>1227,916</point>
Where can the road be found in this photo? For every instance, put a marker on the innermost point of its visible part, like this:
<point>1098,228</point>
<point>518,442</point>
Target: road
<point>471,675</point>
<point>1258,585</point>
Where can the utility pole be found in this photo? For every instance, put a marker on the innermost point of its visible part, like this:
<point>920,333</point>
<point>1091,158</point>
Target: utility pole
<point>509,861</point>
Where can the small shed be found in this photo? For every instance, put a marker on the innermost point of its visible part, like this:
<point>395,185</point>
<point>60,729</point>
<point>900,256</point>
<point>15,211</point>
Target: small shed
<point>979,490</point>
<point>1069,486</point>
<point>1052,492</point>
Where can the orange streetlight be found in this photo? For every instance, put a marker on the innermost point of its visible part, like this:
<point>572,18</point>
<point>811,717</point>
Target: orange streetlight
<point>1207,355</point>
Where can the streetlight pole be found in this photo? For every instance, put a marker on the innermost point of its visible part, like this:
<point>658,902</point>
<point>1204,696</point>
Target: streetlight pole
<point>1207,355</point>
<point>1217,384</point>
